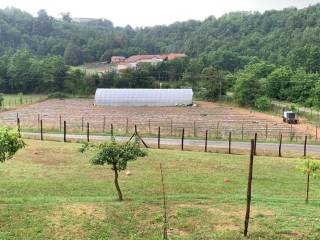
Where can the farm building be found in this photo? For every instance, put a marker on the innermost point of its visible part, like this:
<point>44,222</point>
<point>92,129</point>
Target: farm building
<point>143,97</point>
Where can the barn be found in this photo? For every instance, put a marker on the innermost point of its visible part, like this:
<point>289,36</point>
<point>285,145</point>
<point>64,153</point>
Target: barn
<point>143,97</point>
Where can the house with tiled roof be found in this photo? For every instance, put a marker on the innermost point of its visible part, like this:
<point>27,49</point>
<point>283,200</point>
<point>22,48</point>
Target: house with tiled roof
<point>123,63</point>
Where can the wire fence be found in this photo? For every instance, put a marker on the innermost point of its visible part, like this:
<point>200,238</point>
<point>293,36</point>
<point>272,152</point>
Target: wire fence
<point>240,129</point>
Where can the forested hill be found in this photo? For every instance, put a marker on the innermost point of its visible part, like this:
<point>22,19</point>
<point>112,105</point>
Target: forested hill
<point>288,37</point>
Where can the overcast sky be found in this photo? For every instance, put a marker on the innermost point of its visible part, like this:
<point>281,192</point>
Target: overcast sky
<point>150,12</point>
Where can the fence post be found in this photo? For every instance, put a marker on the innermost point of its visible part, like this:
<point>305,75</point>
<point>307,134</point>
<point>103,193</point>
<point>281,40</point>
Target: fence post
<point>194,129</point>
<point>308,182</point>
<point>305,146</point>
<point>88,132</point>
<point>104,124</point>
<point>82,123</point>
<point>41,130</point>
<point>206,142</point>
<point>38,120</point>
<point>182,139</point>
<point>18,125</point>
<point>158,137</point>
<point>127,125</point>
<point>246,221</point>
<point>255,144</point>
<point>316,132</point>
<point>171,127</point>
<point>266,131</point>
<point>64,131</point>
<point>242,132</point>
<point>111,130</point>
<point>229,142</point>
<point>280,145</point>
<point>149,124</point>
<point>217,129</point>
<point>60,123</point>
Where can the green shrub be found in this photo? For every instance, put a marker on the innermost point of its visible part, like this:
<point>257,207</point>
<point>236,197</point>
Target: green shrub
<point>263,104</point>
<point>59,95</point>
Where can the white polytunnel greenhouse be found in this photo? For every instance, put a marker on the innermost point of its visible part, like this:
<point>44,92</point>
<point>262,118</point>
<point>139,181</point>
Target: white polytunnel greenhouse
<point>143,97</point>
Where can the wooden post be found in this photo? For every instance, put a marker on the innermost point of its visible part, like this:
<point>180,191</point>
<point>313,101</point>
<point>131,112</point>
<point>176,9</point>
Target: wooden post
<point>229,142</point>
<point>149,126</point>
<point>82,123</point>
<point>242,132</point>
<point>266,131</point>
<point>64,131</point>
<point>171,127</point>
<point>111,130</point>
<point>305,146</point>
<point>194,129</point>
<point>38,120</point>
<point>316,132</point>
<point>88,132</point>
<point>308,182</point>
<point>247,217</point>
<point>127,125</point>
<point>18,125</point>
<point>158,137</point>
<point>217,129</point>
<point>60,123</point>
<point>291,133</point>
<point>206,142</point>
<point>280,145</point>
<point>104,124</point>
<point>255,144</point>
<point>41,130</point>
<point>182,139</point>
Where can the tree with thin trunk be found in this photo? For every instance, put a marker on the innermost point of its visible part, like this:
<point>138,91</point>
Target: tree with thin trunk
<point>117,155</point>
<point>311,169</point>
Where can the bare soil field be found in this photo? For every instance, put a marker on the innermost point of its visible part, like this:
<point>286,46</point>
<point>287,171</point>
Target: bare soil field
<point>218,119</point>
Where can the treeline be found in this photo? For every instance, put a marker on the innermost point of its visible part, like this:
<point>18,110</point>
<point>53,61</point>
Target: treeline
<point>275,55</point>
<point>289,37</point>
<point>262,81</point>
<point>23,72</point>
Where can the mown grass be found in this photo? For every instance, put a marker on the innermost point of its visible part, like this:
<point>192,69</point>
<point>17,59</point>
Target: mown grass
<point>50,191</point>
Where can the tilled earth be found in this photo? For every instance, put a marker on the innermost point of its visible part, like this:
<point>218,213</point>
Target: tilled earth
<point>218,119</point>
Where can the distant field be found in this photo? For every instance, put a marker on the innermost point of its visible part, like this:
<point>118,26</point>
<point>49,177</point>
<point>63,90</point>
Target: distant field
<point>14,100</point>
<point>218,119</point>
<point>50,191</point>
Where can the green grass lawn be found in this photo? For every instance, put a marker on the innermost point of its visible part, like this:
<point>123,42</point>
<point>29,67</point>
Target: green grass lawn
<point>50,191</point>
<point>14,100</point>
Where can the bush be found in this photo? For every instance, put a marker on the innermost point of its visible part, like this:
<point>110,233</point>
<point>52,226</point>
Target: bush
<point>59,95</point>
<point>263,104</point>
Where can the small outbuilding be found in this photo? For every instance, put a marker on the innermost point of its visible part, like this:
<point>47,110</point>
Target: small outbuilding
<point>143,97</point>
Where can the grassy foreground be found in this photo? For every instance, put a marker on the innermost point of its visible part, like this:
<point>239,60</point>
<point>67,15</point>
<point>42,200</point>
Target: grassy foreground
<point>50,191</point>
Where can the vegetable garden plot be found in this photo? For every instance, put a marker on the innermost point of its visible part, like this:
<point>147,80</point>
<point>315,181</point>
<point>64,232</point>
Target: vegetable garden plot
<point>219,120</point>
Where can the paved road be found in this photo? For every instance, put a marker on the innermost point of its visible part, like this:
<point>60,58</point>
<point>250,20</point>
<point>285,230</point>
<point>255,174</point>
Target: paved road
<point>187,142</point>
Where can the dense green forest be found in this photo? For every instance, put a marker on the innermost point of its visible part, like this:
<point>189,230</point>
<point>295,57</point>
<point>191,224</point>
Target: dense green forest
<point>274,54</point>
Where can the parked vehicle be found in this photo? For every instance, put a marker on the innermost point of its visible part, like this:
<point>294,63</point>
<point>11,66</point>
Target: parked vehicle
<point>289,117</point>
